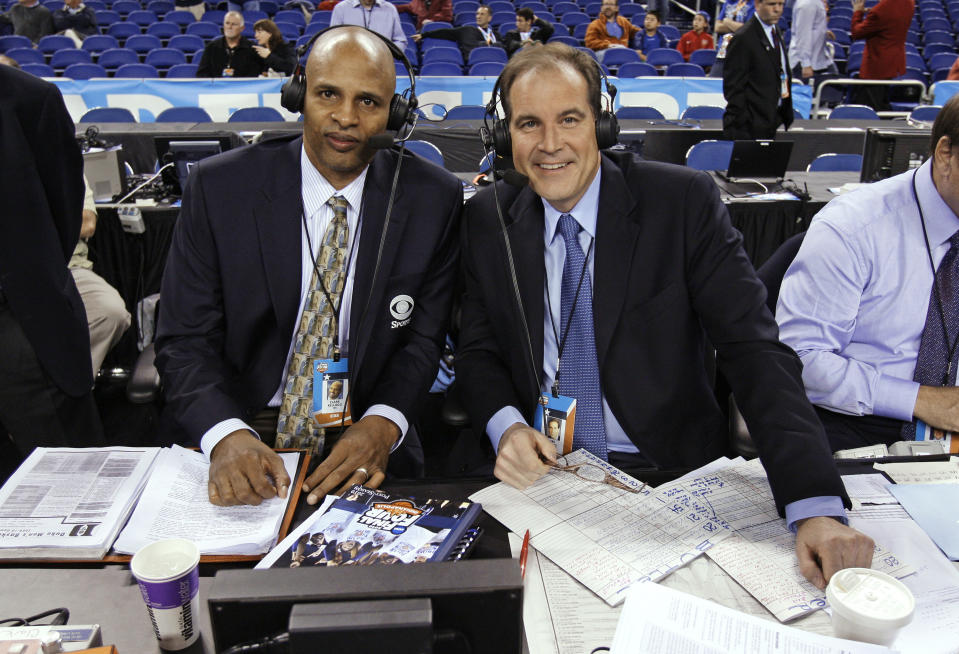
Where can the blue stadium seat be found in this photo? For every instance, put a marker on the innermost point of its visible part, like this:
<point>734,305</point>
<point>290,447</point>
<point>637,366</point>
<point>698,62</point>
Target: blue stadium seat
<point>571,41</point>
<point>942,60</point>
<point>163,58</point>
<point>939,75</point>
<point>180,17</point>
<point>710,155</point>
<point>115,57</point>
<point>182,71</point>
<point>853,112</point>
<point>436,25</point>
<point>635,12</point>
<point>184,115</point>
<point>290,16</point>
<point>564,7</point>
<point>290,31</point>
<point>142,43</point>
<point>637,69</point>
<point>142,17</point>
<point>38,70</point>
<point>50,44</point>
<point>123,30</point>
<point>704,57</point>
<point>250,17</point>
<point>136,71</point>
<point>535,5</point>
<point>14,41</point>
<point>96,5</point>
<point>84,71</point>
<point>163,30</point>
<point>507,17</point>
<point>203,29</point>
<point>703,112</point>
<point>426,150</point>
<point>501,5</point>
<point>924,114</point>
<point>160,7</point>
<point>465,112</point>
<point>443,54</point>
<point>124,7</point>
<point>216,16</point>
<point>486,53</point>
<point>487,69</point>
<point>671,32</point>
<point>639,113</point>
<point>663,57</point>
<point>684,70</point>
<point>441,69</point>
<point>579,32</point>
<point>256,115</point>
<point>108,115</point>
<point>189,43</point>
<point>618,56</point>
<point>934,49</point>
<point>574,18</point>
<point>63,58</point>
<point>832,162</point>
<point>106,17</point>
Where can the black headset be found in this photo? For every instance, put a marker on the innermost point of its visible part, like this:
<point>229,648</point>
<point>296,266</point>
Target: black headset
<point>402,106</point>
<point>607,126</point>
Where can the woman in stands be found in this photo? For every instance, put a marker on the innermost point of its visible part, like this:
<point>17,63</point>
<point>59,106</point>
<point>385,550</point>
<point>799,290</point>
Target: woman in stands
<point>278,54</point>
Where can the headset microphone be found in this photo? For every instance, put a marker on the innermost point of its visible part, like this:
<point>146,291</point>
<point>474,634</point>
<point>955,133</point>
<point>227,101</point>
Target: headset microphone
<point>381,141</point>
<point>514,177</point>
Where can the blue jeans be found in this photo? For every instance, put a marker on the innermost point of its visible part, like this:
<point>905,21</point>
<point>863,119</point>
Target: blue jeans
<point>248,5</point>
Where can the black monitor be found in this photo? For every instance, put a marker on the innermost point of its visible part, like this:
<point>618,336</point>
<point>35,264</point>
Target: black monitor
<point>759,159</point>
<point>887,152</point>
<point>189,149</point>
<point>470,606</point>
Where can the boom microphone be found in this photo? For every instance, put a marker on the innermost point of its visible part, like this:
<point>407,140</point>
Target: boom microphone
<point>514,177</point>
<point>381,141</point>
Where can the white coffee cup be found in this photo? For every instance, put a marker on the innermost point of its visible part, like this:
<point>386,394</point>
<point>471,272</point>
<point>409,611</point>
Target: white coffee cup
<point>169,581</point>
<point>869,606</point>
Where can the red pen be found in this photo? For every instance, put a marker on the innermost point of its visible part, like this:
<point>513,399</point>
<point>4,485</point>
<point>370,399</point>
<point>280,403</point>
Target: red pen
<point>522,555</point>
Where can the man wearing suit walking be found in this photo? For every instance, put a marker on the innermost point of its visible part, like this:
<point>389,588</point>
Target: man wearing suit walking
<point>757,81</point>
<point>669,270</point>
<point>45,370</point>
<point>292,269</point>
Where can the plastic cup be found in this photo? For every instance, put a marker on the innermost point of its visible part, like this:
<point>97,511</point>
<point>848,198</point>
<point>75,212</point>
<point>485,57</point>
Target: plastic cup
<point>869,606</point>
<point>169,581</point>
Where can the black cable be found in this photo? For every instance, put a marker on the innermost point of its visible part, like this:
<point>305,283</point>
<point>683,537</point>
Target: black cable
<point>454,638</point>
<point>62,615</point>
<point>275,644</point>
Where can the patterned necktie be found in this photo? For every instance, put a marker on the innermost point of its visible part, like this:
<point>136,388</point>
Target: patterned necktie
<point>314,336</point>
<point>578,367</point>
<point>932,363</point>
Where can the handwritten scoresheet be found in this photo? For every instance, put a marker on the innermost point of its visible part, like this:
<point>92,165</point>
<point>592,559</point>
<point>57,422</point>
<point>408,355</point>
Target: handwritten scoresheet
<point>606,537</point>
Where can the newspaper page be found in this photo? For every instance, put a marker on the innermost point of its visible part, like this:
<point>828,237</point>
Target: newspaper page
<point>70,502</point>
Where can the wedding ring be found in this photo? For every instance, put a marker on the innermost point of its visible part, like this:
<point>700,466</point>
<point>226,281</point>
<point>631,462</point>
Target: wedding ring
<point>363,470</point>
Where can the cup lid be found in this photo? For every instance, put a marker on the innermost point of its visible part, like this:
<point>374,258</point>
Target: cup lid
<point>165,559</point>
<point>871,598</point>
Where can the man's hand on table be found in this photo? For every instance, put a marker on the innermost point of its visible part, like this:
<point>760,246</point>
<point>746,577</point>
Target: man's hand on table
<point>522,451</point>
<point>364,446</point>
<point>244,470</point>
<point>824,546</point>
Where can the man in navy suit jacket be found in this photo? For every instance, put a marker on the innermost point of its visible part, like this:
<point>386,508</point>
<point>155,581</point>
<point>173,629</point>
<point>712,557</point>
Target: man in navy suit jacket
<point>667,271</point>
<point>45,369</point>
<point>238,270</point>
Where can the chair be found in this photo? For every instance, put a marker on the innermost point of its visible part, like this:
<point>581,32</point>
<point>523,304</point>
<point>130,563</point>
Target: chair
<point>441,69</point>
<point>426,150</point>
<point>486,69</point>
<point>561,8</point>
<point>938,37</point>
<point>142,17</point>
<point>108,115</point>
<point>182,71</point>
<point>853,112</point>
<point>466,112</point>
<point>181,18</point>
<point>38,70</point>
<point>123,30</point>
<point>486,53</point>
<point>106,17</point>
<point>637,69</point>
<point>14,41</point>
<point>84,71</point>
<point>663,57</point>
<point>202,29</point>
<point>256,115</point>
<point>160,7</point>
<point>671,32</point>
<point>579,32</point>
<point>184,115</point>
<point>25,56</point>
<point>97,43</point>
<point>616,57</point>
<point>401,70</point>
<point>124,7</point>
<point>639,113</point>
<point>704,57</point>
<point>940,24</point>
<point>634,11</point>
<point>250,17</point>
<point>136,71</point>
<point>163,30</point>
<point>832,162</point>
<point>703,112</point>
<point>50,44</point>
<point>142,43</point>
<point>934,49</point>
<point>163,58</point>
<point>115,57</point>
<point>924,114</point>
<point>189,43</point>
<point>437,25</point>
<point>290,16</point>
<point>436,54</point>
<point>939,75</point>
<point>942,60</point>
<point>571,41</point>
<point>63,58</point>
<point>290,31</point>
<point>573,18</point>
<point>685,70</point>
<point>710,155</point>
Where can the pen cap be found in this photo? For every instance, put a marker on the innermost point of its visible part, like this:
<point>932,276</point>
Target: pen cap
<point>869,606</point>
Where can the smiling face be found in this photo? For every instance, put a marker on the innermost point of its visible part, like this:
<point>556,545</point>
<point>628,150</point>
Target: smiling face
<point>350,80</point>
<point>554,134</point>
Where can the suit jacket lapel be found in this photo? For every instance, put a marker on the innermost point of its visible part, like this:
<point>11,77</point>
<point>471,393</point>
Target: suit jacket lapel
<point>278,217</point>
<point>617,233</point>
<point>526,229</point>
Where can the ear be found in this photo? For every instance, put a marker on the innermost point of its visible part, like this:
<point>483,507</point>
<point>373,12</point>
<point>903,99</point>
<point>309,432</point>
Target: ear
<point>942,155</point>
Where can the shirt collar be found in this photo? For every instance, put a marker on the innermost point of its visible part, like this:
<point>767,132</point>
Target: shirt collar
<point>768,29</point>
<point>584,212</point>
<point>316,190</point>
<point>376,3</point>
<point>941,222</point>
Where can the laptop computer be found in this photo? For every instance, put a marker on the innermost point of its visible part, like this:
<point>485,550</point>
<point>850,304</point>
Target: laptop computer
<point>759,160</point>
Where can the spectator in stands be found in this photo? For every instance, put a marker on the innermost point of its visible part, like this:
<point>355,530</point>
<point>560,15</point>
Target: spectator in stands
<point>609,30</point>
<point>650,38</point>
<point>194,7</point>
<point>377,15</point>
<point>734,17</point>
<point>107,316</point>
<point>45,378</point>
<point>75,20</point>
<point>246,5</point>
<point>427,11</point>
<point>884,28</point>
<point>530,30</point>
<point>230,55</point>
<point>867,298</point>
<point>699,37</point>
<point>809,54</point>
<point>31,19</point>
<point>467,37</point>
<point>757,80</point>
<point>277,53</point>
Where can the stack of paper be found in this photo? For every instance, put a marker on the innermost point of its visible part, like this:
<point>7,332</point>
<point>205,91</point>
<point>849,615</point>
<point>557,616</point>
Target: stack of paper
<point>66,503</point>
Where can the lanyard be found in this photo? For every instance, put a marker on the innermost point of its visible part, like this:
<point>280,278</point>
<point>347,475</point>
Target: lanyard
<point>316,270</point>
<point>935,287</point>
<point>561,343</point>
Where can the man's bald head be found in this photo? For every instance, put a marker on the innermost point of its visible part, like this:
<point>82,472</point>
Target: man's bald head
<point>350,41</point>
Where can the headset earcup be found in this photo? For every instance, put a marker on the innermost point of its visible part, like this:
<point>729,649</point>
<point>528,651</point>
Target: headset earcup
<point>293,93</point>
<point>502,144</point>
<point>607,130</point>
<point>399,113</point>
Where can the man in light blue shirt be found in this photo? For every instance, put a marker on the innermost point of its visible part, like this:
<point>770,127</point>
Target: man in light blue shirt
<point>377,15</point>
<point>854,303</point>
<point>808,52</point>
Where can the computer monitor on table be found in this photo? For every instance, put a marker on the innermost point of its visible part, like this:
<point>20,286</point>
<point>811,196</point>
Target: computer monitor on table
<point>887,152</point>
<point>104,174</point>
<point>759,159</point>
<point>186,151</point>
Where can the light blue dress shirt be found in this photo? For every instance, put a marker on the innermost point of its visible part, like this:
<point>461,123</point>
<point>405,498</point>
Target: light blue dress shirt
<point>807,46</point>
<point>382,17</point>
<point>853,304</point>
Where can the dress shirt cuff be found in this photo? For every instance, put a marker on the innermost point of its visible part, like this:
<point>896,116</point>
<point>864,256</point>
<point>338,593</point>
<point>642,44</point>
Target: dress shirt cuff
<point>221,430</point>
<point>500,422</point>
<point>827,506</point>
<point>394,416</point>
<point>895,398</point>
